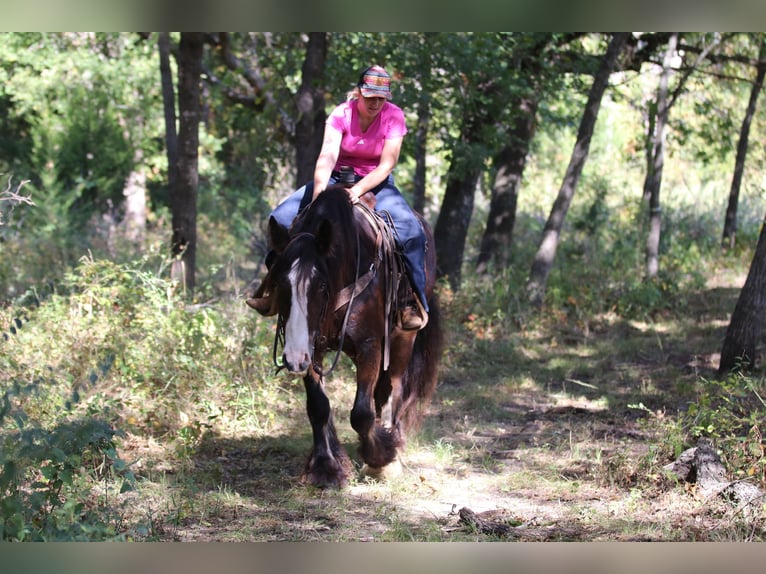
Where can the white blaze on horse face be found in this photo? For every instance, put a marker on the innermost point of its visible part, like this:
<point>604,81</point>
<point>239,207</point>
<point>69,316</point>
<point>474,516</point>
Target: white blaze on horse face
<point>297,351</point>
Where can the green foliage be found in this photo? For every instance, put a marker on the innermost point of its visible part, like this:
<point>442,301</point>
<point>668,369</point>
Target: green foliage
<point>114,347</point>
<point>80,110</point>
<point>731,412</point>
<point>50,473</point>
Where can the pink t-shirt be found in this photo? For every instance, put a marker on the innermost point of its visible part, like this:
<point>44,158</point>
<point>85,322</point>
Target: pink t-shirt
<point>362,150</point>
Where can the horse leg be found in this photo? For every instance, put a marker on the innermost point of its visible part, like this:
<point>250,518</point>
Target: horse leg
<point>385,393</point>
<point>328,465</point>
<point>383,400</point>
<point>377,444</point>
<point>402,343</point>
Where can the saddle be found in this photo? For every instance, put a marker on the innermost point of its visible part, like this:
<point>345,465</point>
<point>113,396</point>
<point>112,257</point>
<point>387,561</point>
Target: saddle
<point>403,306</point>
<point>389,260</point>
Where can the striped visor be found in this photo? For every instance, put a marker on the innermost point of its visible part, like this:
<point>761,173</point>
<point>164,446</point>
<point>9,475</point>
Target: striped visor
<point>375,83</point>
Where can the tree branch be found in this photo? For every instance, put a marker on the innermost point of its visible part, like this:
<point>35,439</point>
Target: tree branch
<point>9,194</point>
<point>250,75</point>
<point>700,56</point>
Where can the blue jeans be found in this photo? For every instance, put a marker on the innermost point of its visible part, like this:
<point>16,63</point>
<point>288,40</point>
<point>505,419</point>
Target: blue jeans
<point>409,232</point>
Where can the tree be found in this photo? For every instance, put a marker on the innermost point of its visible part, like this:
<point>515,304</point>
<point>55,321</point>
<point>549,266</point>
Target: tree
<point>419,55</point>
<point>183,199</point>
<point>483,81</point>
<point>509,167</point>
<point>543,260</point>
<point>462,176</point>
<point>746,324</point>
<point>310,107</point>
<point>730,221</point>
<point>655,156</point>
<point>169,108</point>
<point>542,60</point>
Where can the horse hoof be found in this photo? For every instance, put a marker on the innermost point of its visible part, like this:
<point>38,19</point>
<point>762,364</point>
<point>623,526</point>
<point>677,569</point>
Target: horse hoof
<point>326,472</point>
<point>324,481</point>
<point>383,473</point>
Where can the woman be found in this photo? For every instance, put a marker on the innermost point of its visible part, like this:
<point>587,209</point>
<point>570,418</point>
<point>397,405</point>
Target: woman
<point>365,133</point>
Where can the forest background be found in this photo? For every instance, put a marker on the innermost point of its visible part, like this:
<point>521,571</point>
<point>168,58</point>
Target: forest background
<point>577,183</point>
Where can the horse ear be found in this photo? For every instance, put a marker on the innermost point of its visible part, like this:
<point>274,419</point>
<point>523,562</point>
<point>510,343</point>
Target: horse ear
<point>278,235</point>
<point>324,237</point>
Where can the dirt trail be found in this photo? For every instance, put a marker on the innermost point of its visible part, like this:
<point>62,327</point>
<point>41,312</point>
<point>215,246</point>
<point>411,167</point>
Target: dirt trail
<point>561,454</point>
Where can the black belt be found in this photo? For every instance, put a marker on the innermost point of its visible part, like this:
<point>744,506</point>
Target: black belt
<point>337,176</point>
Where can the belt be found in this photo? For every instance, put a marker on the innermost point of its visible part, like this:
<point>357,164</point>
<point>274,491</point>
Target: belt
<point>337,176</point>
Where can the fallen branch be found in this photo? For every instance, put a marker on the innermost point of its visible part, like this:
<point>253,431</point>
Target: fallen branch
<point>477,523</point>
<point>489,527</point>
<point>9,194</point>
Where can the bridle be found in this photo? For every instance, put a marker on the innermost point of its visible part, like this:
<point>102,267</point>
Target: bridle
<point>356,287</point>
<point>384,234</point>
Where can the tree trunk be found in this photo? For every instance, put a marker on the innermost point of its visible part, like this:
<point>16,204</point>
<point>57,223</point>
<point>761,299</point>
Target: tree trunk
<point>701,465</point>
<point>183,203</point>
<point>509,163</point>
<point>169,104</point>
<point>452,226</point>
<point>744,331</point>
<point>135,203</point>
<point>421,135</point>
<point>311,111</point>
<point>543,261</point>
<point>421,140</point>
<point>730,223</point>
<point>457,206</point>
<point>653,182</point>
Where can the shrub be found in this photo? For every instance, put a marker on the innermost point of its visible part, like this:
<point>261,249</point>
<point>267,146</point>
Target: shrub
<point>49,473</point>
<point>731,412</point>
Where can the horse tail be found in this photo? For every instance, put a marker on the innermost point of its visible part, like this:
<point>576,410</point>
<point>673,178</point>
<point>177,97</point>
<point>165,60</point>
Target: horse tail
<point>420,379</point>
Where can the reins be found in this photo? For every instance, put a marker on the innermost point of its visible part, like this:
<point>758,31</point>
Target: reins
<point>348,293</point>
<point>339,350</point>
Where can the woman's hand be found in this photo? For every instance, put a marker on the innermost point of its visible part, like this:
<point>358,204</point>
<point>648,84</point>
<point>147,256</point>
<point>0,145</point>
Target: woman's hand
<point>354,193</point>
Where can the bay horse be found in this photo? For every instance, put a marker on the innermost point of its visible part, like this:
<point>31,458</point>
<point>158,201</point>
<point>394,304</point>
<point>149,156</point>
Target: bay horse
<point>335,285</point>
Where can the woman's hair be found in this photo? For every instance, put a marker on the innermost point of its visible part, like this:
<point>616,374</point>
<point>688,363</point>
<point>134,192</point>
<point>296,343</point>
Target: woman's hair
<point>354,93</point>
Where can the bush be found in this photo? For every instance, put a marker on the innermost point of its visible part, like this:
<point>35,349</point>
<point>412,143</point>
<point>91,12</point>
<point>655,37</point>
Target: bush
<point>731,412</point>
<point>48,477</point>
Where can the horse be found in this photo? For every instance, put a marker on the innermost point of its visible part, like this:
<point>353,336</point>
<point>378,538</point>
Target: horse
<point>335,284</point>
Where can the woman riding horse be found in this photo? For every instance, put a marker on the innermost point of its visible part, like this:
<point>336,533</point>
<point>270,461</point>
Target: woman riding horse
<point>332,282</point>
<point>362,140</point>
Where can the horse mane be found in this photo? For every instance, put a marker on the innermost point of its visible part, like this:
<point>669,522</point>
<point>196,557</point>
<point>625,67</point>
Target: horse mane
<point>332,207</point>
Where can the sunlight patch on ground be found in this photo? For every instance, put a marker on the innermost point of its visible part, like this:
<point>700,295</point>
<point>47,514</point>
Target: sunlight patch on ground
<point>645,327</point>
<point>579,402</point>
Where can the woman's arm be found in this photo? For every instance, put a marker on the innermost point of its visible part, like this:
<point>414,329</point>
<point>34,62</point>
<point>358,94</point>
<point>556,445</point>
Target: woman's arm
<point>388,159</point>
<point>328,156</point>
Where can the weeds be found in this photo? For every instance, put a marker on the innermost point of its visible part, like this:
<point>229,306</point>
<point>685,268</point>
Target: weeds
<point>731,412</point>
<point>50,475</point>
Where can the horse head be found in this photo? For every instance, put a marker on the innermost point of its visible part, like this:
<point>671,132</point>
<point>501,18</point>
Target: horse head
<point>300,278</point>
